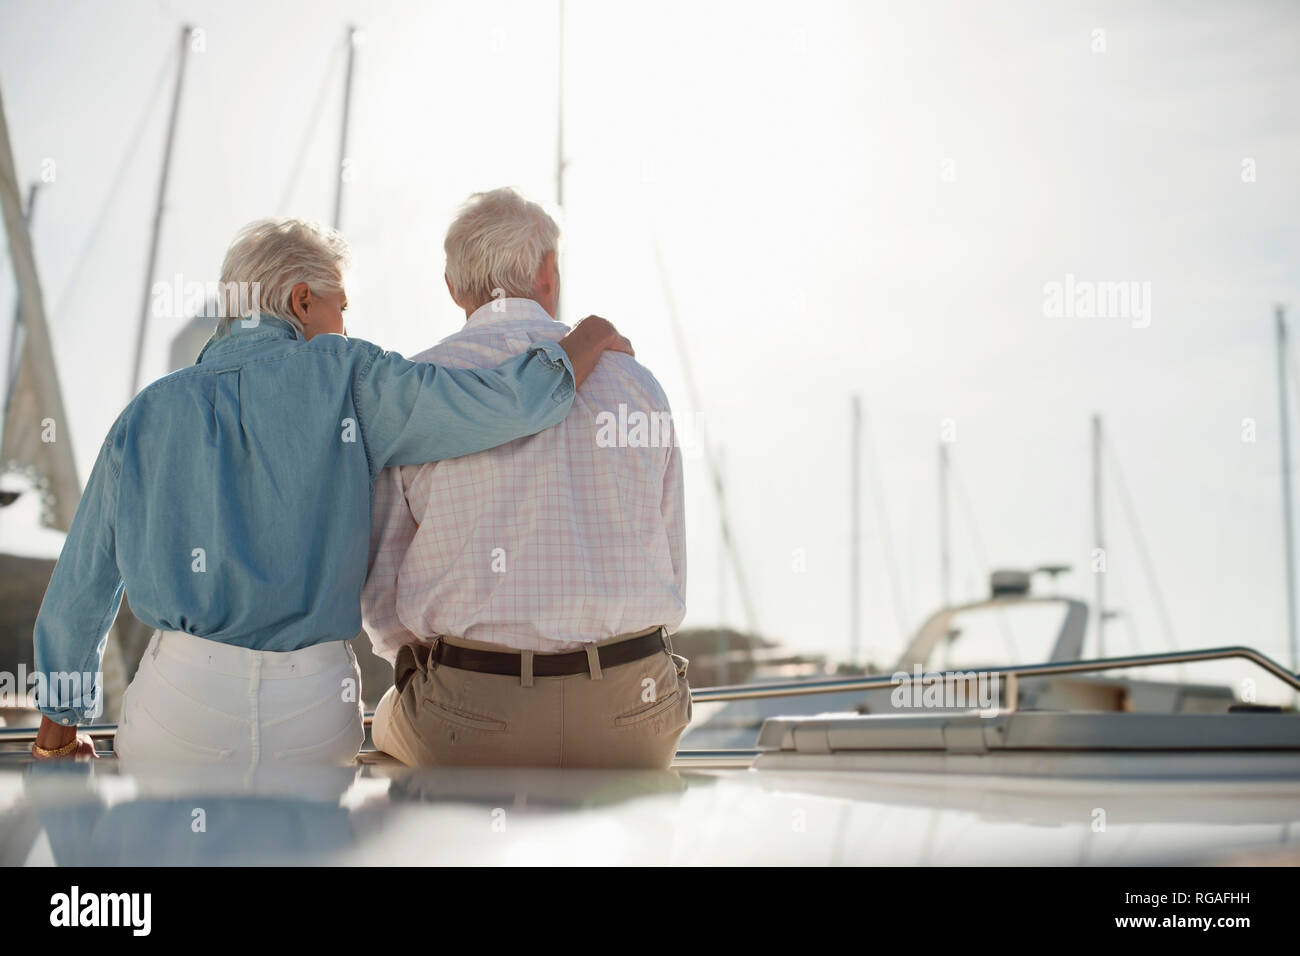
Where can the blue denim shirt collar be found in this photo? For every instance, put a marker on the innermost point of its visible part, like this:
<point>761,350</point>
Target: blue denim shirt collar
<point>260,327</point>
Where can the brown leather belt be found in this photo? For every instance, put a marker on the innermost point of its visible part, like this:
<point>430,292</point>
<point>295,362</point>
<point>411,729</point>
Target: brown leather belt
<point>549,665</point>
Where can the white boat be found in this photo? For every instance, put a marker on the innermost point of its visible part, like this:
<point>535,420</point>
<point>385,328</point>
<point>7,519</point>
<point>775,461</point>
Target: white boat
<point>916,786</point>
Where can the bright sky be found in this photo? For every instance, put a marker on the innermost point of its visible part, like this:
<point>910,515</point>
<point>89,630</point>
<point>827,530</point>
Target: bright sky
<point>850,198</point>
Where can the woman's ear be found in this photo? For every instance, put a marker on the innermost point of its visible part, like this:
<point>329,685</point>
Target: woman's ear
<point>300,301</point>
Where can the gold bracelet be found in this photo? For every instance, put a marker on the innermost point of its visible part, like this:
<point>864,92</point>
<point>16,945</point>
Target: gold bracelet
<point>63,751</point>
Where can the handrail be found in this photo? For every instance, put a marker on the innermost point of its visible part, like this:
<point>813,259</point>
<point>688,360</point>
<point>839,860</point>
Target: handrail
<point>879,681</point>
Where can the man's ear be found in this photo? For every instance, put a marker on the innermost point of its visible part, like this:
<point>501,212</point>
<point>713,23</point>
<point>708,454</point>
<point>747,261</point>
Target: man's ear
<point>451,288</point>
<point>300,301</point>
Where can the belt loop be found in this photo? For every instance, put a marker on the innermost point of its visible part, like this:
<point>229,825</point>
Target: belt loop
<point>526,668</point>
<point>668,641</point>
<point>593,660</point>
<point>153,645</point>
<point>431,664</point>
<point>404,666</point>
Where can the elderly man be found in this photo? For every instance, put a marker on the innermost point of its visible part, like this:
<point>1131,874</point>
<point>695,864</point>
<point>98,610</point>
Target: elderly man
<point>232,500</point>
<point>526,594</point>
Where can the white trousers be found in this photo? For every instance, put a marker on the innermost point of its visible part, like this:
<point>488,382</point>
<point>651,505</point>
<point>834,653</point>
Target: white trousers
<point>197,701</point>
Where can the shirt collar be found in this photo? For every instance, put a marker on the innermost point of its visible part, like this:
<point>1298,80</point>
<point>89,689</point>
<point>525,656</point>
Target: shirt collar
<point>507,310</point>
<point>246,331</point>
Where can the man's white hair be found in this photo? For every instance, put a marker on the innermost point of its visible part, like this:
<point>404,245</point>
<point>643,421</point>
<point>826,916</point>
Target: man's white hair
<point>498,241</point>
<point>277,254</point>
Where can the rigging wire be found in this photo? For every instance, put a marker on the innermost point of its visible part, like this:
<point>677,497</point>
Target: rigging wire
<point>1294,389</point>
<point>1295,374</point>
<point>202,84</point>
<point>1126,619</point>
<point>679,339</point>
<point>309,131</point>
<point>1144,554</point>
<point>133,144</point>
<point>882,519</point>
<point>981,556</point>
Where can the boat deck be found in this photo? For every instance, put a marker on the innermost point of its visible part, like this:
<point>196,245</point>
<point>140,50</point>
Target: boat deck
<point>709,809</point>
<point>923,787</point>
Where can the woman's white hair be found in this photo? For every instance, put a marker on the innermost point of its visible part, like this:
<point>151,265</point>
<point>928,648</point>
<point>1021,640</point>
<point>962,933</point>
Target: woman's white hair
<point>498,241</point>
<point>274,255</point>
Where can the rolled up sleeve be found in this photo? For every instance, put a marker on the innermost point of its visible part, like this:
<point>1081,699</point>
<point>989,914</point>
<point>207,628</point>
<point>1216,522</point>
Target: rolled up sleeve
<point>413,412</point>
<point>82,599</point>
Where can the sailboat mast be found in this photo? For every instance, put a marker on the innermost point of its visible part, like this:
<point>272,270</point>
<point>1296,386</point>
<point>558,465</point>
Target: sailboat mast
<point>559,139</point>
<point>945,563</point>
<point>855,530</point>
<point>559,114</point>
<point>36,397</point>
<point>722,549</point>
<point>721,647</point>
<point>152,263</point>
<point>1099,573</point>
<point>710,454</point>
<point>343,132</point>
<point>1287,511</point>
<point>15,338</point>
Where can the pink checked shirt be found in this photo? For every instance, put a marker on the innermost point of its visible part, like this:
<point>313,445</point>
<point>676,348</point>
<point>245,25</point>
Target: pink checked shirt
<point>568,536</point>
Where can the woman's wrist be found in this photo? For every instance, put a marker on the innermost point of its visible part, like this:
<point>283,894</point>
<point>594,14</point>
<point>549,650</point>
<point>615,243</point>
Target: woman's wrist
<point>52,736</point>
<point>588,340</point>
<point>65,751</point>
<point>584,344</point>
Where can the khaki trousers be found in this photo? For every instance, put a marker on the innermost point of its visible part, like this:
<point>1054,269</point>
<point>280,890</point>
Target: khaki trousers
<point>630,715</point>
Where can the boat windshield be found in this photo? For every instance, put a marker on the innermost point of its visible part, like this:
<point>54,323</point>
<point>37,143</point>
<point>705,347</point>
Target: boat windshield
<point>999,636</point>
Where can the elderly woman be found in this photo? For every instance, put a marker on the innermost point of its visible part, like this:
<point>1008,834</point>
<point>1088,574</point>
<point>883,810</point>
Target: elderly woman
<point>232,500</point>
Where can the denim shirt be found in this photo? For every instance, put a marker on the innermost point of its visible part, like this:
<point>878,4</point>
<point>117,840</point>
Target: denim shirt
<point>232,499</point>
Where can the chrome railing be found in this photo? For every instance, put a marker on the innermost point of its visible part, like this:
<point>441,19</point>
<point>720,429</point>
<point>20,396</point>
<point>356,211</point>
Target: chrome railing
<point>881,681</point>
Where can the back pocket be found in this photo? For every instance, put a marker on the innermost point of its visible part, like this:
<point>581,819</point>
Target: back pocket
<point>342,747</point>
<point>148,738</point>
<point>463,718</point>
<point>660,706</point>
